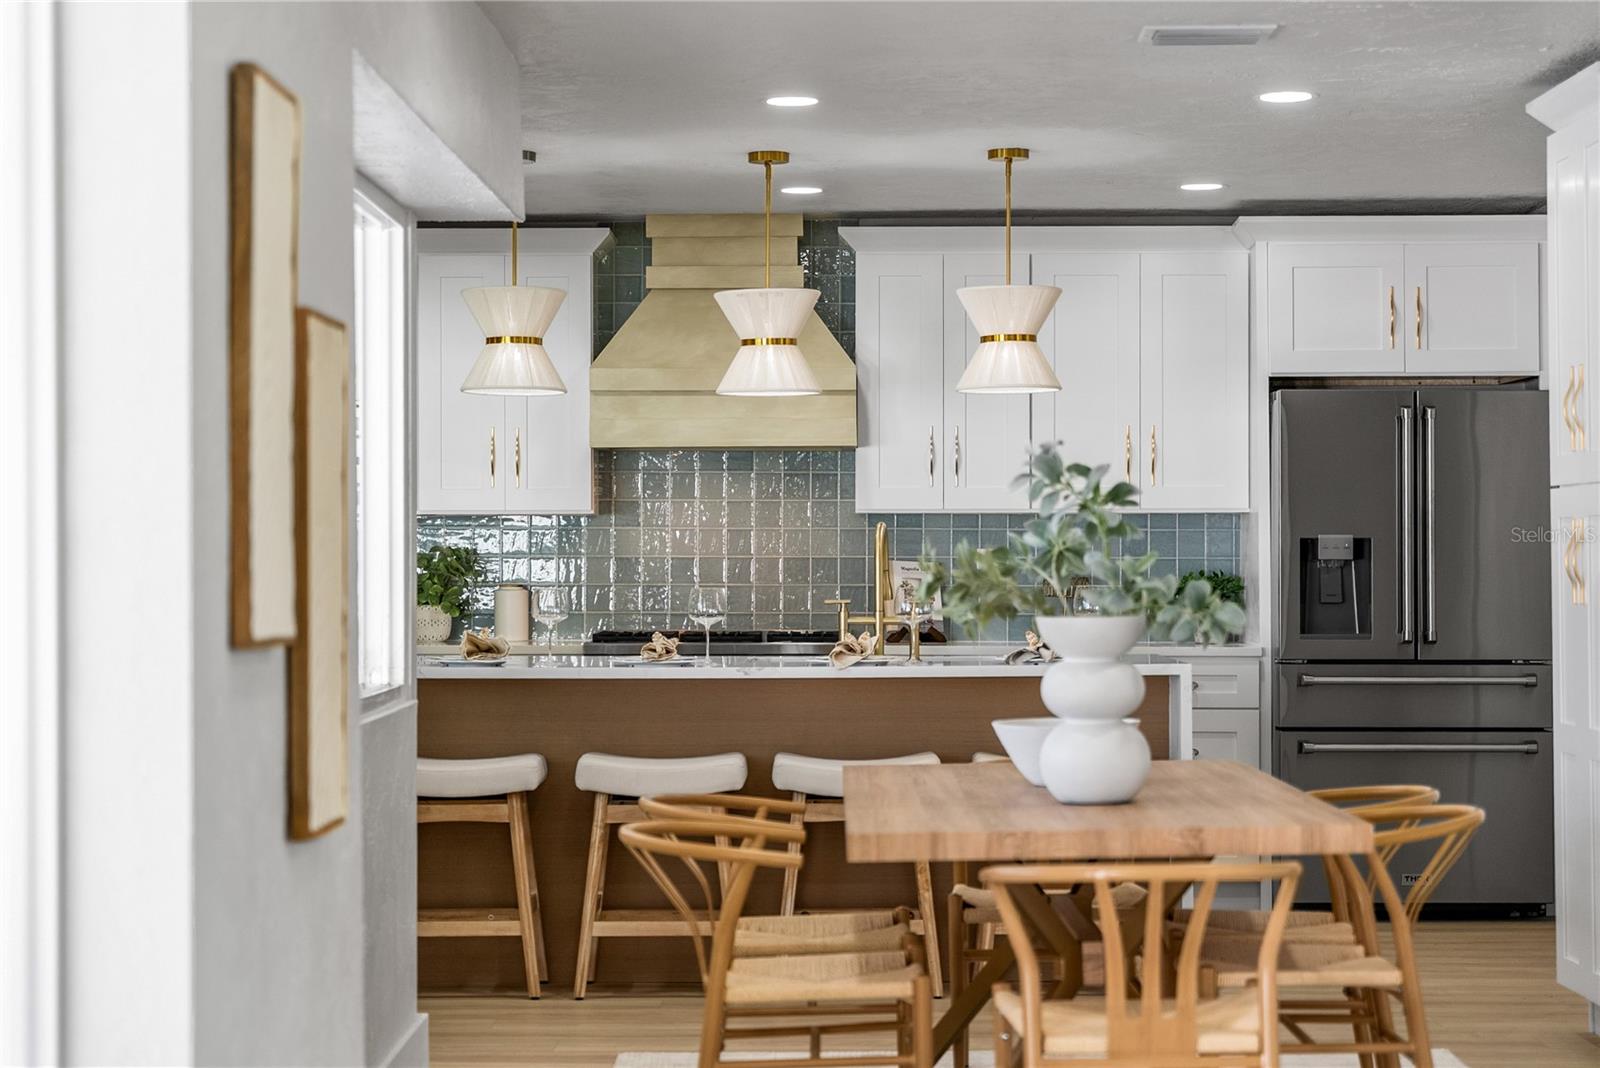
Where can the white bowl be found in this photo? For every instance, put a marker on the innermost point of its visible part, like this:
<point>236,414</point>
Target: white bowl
<point>1022,740</point>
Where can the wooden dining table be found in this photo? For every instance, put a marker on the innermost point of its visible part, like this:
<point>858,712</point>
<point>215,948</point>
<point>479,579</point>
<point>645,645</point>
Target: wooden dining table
<point>989,813</point>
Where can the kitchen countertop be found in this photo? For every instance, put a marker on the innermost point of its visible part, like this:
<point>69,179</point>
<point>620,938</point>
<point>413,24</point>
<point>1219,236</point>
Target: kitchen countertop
<point>570,666</point>
<point>1147,652</point>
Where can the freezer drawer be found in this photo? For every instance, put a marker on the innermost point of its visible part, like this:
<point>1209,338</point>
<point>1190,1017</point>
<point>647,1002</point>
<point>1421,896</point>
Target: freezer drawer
<point>1511,861</point>
<point>1413,696</point>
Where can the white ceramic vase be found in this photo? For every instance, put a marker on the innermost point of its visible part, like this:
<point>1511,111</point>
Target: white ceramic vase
<point>433,625</point>
<point>1096,755</point>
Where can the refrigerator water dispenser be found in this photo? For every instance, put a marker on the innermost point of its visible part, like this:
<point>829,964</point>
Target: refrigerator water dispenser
<point>1335,586</point>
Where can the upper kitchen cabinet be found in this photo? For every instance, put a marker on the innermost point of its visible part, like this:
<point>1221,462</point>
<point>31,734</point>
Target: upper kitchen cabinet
<point>1092,341</point>
<point>1149,338</point>
<point>485,454</point>
<point>1373,296</point>
<point>1573,286</point>
<point>1194,391</point>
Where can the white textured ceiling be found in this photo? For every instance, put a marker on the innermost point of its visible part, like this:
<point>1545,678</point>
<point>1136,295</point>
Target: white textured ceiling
<point>650,107</point>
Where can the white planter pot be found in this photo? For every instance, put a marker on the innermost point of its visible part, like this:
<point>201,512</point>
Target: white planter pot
<point>1096,755</point>
<point>432,625</point>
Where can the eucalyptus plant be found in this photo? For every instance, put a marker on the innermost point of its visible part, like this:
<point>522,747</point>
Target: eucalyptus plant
<point>444,575</point>
<point>1068,545</point>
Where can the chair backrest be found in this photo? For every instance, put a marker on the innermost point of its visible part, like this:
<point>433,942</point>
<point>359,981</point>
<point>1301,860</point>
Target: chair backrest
<point>737,851</point>
<point>1142,1024</point>
<point>699,806</point>
<point>1362,798</point>
<point>1449,827</point>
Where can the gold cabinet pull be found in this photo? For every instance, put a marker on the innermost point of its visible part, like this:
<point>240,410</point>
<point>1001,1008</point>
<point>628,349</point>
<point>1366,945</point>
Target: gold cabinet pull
<point>1391,317</point>
<point>1419,318</point>
<point>516,457</point>
<point>1127,452</point>
<point>1152,454</point>
<point>1566,406</point>
<point>1577,410</point>
<point>958,456</point>
<point>491,457</point>
<point>1572,559</point>
<point>930,456</point>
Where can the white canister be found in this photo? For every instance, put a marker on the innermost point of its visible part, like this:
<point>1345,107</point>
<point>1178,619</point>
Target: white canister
<point>512,611</point>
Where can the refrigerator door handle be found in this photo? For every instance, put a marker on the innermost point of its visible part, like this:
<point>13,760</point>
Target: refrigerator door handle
<point>1407,524</point>
<point>1430,621</point>
<point>1526,748</point>
<point>1419,680</point>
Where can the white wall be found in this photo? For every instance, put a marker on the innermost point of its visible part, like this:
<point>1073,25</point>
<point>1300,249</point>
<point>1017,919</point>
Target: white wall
<point>196,931</point>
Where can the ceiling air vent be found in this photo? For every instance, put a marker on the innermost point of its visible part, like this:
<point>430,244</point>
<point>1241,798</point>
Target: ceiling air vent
<point>1207,35</point>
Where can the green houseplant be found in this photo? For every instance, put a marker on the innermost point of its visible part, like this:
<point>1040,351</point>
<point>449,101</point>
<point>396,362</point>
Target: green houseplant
<point>444,575</point>
<point>1094,755</point>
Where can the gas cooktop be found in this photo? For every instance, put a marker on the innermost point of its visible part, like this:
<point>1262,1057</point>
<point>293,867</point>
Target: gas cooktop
<point>723,642</point>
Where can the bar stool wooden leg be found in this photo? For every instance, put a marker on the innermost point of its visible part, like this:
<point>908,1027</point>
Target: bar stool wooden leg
<point>791,876</point>
<point>930,926</point>
<point>593,892</point>
<point>527,891</point>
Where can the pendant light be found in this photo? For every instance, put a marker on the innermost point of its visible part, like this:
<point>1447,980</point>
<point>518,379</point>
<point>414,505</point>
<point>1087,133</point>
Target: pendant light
<point>513,319</point>
<point>1008,319</point>
<point>769,362</point>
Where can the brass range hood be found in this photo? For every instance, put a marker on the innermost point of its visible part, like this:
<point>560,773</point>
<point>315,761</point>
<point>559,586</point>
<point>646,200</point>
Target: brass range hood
<point>655,385</point>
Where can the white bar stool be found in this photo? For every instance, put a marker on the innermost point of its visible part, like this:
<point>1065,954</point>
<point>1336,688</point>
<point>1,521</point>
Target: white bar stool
<point>489,790</point>
<point>610,777</point>
<point>818,783</point>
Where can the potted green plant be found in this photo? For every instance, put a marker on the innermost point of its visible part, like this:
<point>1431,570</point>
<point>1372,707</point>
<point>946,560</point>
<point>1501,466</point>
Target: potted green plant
<point>1090,606</point>
<point>444,575</point>
<point>1226,586</point>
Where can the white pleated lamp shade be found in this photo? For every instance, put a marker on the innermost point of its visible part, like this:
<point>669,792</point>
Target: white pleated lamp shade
<point>513,361</point>
<point>1009,359</point>
<point>769,362</point>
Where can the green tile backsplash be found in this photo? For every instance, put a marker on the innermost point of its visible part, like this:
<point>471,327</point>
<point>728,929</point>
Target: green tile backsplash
<point>778,528</point>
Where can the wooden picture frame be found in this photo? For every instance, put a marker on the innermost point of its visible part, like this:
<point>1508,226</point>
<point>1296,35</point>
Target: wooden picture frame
<point>264,194</point>
<point>319,659</point>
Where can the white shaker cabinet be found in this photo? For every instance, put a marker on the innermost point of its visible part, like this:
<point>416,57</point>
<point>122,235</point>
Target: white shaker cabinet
<point>1435,295</point>
<point>1194,394</point>
<point>487,454</point>
<point>1092,342</point>
<point>1573,157</point>
<point>1472,307</point>
<point>1575,551</point>
<point>1335,308</point>
<point>900,381</point>
<point>987,435</point>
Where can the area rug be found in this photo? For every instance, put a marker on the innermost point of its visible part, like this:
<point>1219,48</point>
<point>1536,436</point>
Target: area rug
<point>1442,1058</point>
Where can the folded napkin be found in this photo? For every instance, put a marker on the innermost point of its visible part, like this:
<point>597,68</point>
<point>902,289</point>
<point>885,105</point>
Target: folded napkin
<point>481,645</point>
<point>852,649</point>
<point>1036,650</point>
<point>659,647</point>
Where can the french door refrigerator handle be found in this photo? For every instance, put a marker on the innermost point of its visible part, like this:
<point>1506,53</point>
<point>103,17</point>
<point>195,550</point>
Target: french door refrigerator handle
<point>1419,680</point>
<point>1407,524</point>
<point>1526,748</point>
<point>1430,620</point>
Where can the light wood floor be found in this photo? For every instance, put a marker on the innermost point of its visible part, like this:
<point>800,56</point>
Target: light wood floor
<point>1490,988</point>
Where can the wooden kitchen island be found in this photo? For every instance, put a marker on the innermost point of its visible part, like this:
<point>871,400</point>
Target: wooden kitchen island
<point>750,705</point>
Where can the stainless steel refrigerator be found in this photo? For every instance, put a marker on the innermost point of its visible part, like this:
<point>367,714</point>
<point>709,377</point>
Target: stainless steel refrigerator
<point>1413,614</point>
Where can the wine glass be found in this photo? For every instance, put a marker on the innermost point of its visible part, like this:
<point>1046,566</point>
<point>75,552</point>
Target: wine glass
<point>708,606</point>
<point>552,608</point>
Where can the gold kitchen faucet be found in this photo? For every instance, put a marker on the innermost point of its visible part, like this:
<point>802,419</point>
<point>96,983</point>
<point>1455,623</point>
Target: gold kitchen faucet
<point>882,587</point>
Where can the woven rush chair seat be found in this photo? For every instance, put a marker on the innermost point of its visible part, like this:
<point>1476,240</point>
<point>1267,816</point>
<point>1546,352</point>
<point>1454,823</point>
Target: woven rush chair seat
<point>1300,964</point>
<point>823,977</point>
<point>978,904</point>
<point>1228,1024</point>
<point>883,930</point>
<point>1319,927</point>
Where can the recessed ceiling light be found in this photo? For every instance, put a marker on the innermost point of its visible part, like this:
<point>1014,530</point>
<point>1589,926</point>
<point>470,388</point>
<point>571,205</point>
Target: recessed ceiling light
<point>1200,187</point>
<point>791,101</point>
<point>1286,96</point>
<point>801,190</point>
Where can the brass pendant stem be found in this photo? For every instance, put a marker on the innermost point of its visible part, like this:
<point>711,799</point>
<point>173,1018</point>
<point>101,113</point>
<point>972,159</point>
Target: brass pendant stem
<point>513,252</point>
<point>766,230</point>
<point>1008,220</point>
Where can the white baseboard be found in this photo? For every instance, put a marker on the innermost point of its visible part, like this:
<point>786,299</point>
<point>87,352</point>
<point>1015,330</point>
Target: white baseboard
<point>411,1051</point>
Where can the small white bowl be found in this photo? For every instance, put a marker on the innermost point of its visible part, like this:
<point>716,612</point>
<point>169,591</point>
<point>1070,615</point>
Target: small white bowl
<point>1022,740</point>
